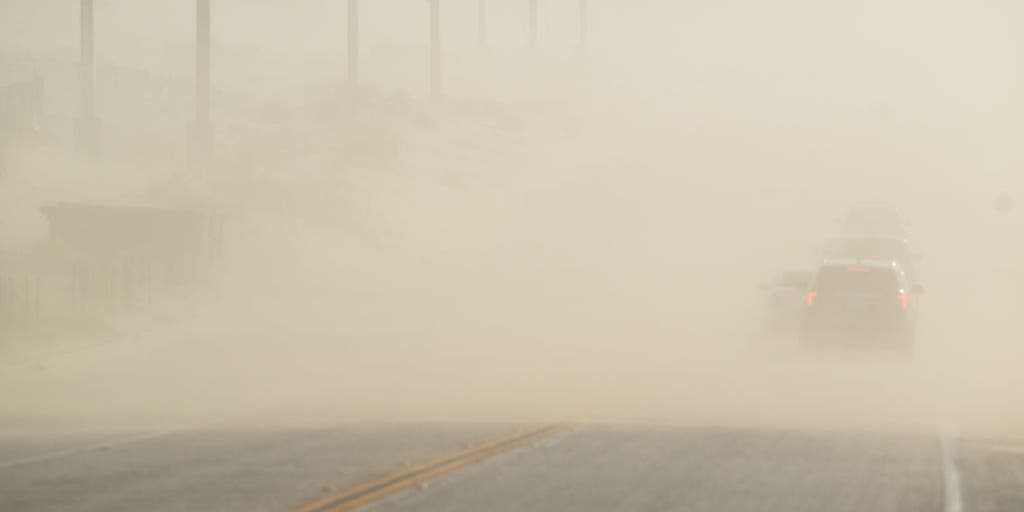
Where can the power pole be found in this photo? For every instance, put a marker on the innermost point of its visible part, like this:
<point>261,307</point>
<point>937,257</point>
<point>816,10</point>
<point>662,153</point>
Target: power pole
<point>201,130</point>
<point>533,22</point>
<point>435,48</point>
<point>353,42</point>
<point>87,128</point>
<point>584,24</point>
<point>481,22</point>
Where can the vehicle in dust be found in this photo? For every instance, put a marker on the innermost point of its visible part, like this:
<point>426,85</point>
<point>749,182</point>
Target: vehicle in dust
<point>860,302</point>
<point>784,299</point>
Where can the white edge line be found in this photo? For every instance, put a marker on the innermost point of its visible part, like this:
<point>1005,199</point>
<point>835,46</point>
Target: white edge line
<point>953,496</point>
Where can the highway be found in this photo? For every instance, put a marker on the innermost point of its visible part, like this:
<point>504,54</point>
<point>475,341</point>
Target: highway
<point>292,430</point>
<point>670,411</point>
<point>535,283</point>
<point>592,467</point>
<point>702,469</point>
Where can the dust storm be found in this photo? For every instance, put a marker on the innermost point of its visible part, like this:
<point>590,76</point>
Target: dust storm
<point>564,233</point>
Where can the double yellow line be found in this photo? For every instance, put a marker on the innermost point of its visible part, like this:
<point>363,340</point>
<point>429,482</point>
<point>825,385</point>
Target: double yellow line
<point>373,490</point>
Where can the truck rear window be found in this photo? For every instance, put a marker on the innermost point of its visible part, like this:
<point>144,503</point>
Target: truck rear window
<point>855,279</point>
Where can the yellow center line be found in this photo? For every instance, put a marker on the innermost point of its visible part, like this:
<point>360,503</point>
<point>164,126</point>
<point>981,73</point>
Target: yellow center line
<point>377,488</point>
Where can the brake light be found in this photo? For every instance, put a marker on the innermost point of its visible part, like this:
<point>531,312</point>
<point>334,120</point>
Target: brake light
<point>904,301</point>
<point>811,295</point>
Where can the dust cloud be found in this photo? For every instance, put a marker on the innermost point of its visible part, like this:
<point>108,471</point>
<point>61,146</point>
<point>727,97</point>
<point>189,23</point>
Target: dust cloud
<point>568,233</point>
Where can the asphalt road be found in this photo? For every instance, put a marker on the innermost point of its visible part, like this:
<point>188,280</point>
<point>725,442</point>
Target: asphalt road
<point>212,469</point>
<point>596,468</point>
<point>701,470</point>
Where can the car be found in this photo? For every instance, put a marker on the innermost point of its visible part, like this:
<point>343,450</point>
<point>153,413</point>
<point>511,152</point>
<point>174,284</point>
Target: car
<point>785,298</point>
<point>860,300</point>
<point>873,247</point>
<point>874,219</point>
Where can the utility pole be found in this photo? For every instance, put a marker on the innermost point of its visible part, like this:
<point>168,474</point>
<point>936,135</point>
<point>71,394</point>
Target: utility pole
<point>584,24</point>
<point>481,22</point>
<point>353,42</point>
<point>533,22</point>
<point>435,48</point>
<point>201,130</point>
<point>87,128</point>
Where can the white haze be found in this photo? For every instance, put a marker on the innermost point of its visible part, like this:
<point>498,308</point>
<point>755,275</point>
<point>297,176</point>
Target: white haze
<point>564,236</point>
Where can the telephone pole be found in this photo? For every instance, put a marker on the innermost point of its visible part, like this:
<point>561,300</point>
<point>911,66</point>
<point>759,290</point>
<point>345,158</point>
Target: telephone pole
<point>353,42</point>
<point>435,48</point>
<point>533,23</point>
<point>481,22</point>
<point>584,24</point>
<point>200,134</point>
<point>87,127</point>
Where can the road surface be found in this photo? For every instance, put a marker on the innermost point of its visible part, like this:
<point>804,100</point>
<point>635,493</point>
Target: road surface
<point>594,468</point>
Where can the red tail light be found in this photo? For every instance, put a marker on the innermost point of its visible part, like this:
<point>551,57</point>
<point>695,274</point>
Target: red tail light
<point>904,301</point>
<point>811,295</point>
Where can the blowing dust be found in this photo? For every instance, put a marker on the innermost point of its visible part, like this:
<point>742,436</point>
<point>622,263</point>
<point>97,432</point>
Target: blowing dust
<point>564,235</point>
